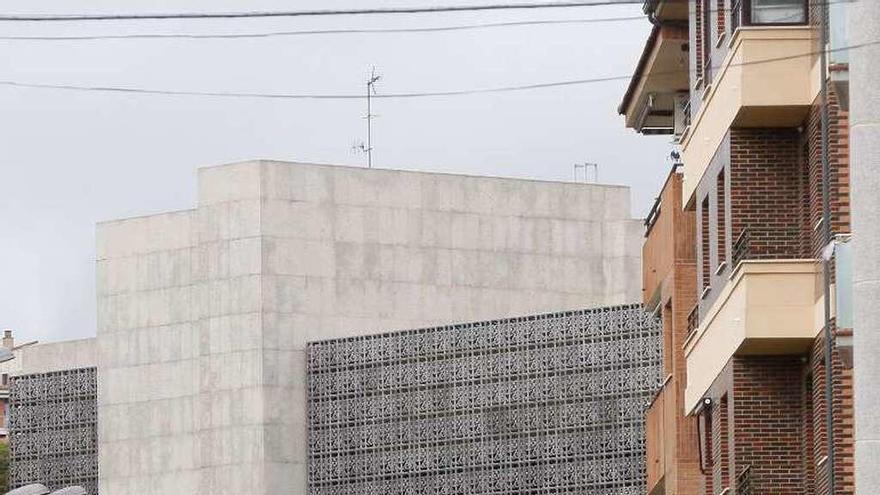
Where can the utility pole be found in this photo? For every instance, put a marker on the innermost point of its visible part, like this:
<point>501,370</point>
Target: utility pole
<point>864,119</point>
<point>371,89</point>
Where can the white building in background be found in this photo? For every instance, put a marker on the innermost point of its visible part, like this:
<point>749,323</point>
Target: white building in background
<point>204,314</point>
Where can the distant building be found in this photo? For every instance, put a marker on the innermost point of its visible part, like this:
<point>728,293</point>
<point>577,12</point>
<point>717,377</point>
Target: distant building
<point>8,343</point>
<point>732,259</point>
<point>205,315</point>
<point>51,414</point>
<point>540,404</point>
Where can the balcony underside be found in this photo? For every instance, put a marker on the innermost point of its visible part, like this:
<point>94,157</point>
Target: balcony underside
<point>650,101</point>
<point>773,116</point>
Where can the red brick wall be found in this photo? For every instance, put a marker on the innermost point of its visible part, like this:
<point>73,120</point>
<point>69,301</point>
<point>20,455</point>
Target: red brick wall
<point>720,446</point>
<point>698,39</point>
<point>807,449</point>
<point>843,422</point>
<point>705,244</point>
<point>767,191</point>
<point>722,218</point>
<point>768,396</point>
<point>838,147</point>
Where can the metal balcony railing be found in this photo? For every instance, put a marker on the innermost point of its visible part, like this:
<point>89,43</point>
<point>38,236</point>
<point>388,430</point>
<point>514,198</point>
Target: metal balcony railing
<point>741,248</point>
<point>744,482</point>
<point>686,112</point>
<point>735,15</point>
<point>693,320</point>
<point>652,217</point>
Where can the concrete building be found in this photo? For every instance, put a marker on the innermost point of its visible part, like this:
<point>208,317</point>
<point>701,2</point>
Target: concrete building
<point>533,405</point>
<point>733,255</point>
<point>50,409</point>
<point>865,121</point>
<point>205,314</point>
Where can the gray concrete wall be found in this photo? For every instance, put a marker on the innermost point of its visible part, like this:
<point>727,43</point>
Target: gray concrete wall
<point>213,307</point>
<point>50,357</point>
<point>864,117</point>
<point>148,355</point>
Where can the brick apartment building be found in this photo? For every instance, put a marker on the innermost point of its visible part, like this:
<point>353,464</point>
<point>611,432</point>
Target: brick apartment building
<point>732,260</point>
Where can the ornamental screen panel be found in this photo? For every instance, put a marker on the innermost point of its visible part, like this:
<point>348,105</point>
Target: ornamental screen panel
<point>53,429</point>
<point>535,405</point>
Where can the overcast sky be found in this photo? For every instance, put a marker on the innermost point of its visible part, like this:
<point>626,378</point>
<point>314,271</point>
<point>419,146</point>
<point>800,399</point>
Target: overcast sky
<point>70,159</point>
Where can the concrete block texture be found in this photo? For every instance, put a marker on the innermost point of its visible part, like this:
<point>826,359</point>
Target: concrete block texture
<point>204,315</point>
<point>51,357</point>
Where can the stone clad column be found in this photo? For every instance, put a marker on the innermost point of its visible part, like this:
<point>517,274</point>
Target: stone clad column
<point>864,27</point>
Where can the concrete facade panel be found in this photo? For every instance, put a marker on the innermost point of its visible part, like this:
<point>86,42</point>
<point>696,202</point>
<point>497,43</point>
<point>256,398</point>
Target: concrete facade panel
<point>205,315</point>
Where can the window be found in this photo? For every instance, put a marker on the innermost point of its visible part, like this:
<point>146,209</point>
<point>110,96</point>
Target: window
<point>777,11</point>
<point>707,42</point>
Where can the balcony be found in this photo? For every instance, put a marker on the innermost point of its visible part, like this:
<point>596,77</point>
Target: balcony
<point>666,242</point>
<point>658,90</point>
<point>666,10</point>
<point>769,78</point>
<point>769,307</point>
<point>660,436</point>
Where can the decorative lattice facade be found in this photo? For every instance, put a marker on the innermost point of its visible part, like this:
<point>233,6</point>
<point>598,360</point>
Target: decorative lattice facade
<point>535,405</point>
<point>53,429</point>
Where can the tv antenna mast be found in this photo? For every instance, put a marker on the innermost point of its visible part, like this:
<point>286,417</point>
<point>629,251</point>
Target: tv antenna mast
<point>371,90</point>
<point>585,167</point>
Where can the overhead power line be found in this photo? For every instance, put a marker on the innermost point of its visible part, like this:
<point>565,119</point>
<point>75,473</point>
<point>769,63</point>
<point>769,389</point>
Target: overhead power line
<point>270,34</point>
<point>313,13</point>
<point>465,92</point>
<point>344,31</point>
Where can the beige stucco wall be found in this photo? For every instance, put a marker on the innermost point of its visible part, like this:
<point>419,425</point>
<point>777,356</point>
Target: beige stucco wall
<point>767,307</point>
<point>765,68</point>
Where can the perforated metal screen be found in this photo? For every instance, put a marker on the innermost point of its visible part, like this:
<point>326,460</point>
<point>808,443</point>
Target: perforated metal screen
<point>53,429</point>
<point>537,405</point>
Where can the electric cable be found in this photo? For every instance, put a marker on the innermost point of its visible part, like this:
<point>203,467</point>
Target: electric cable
<point>409,95</point>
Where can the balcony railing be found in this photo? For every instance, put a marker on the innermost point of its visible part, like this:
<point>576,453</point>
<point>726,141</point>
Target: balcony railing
<point>744,482</point>
<point>741,248</point>
<point>686,112</point>
<point>735,15</point>
<point>652,217</point>
<point>693,320</point>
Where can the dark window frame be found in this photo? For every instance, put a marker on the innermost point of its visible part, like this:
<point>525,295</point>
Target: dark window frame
<point>708,42</point>
<point>746,13</point>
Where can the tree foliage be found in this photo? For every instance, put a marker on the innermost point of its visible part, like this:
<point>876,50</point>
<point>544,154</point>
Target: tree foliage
<point>4,467</point>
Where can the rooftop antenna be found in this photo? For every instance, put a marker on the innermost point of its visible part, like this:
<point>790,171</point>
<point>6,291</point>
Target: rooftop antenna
<point>371,90</point>
<point>585,167</point>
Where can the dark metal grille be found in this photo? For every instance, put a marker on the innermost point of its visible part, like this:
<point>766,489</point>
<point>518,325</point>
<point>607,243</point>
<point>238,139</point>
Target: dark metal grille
<point>735,15</point>
<point>744,482</point>
<point>53,429</point>
<point>542,404</point>
<point>693,319</point>
<point>741,247</point>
